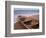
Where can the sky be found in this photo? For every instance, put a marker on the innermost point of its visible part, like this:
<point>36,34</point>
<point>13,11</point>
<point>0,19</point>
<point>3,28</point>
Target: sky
<point>26,9</point>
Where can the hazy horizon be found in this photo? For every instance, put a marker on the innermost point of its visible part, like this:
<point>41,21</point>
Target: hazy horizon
<point>25,11</point>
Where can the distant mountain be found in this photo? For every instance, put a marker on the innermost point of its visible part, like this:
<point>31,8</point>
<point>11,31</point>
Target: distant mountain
<point>25,11</point>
